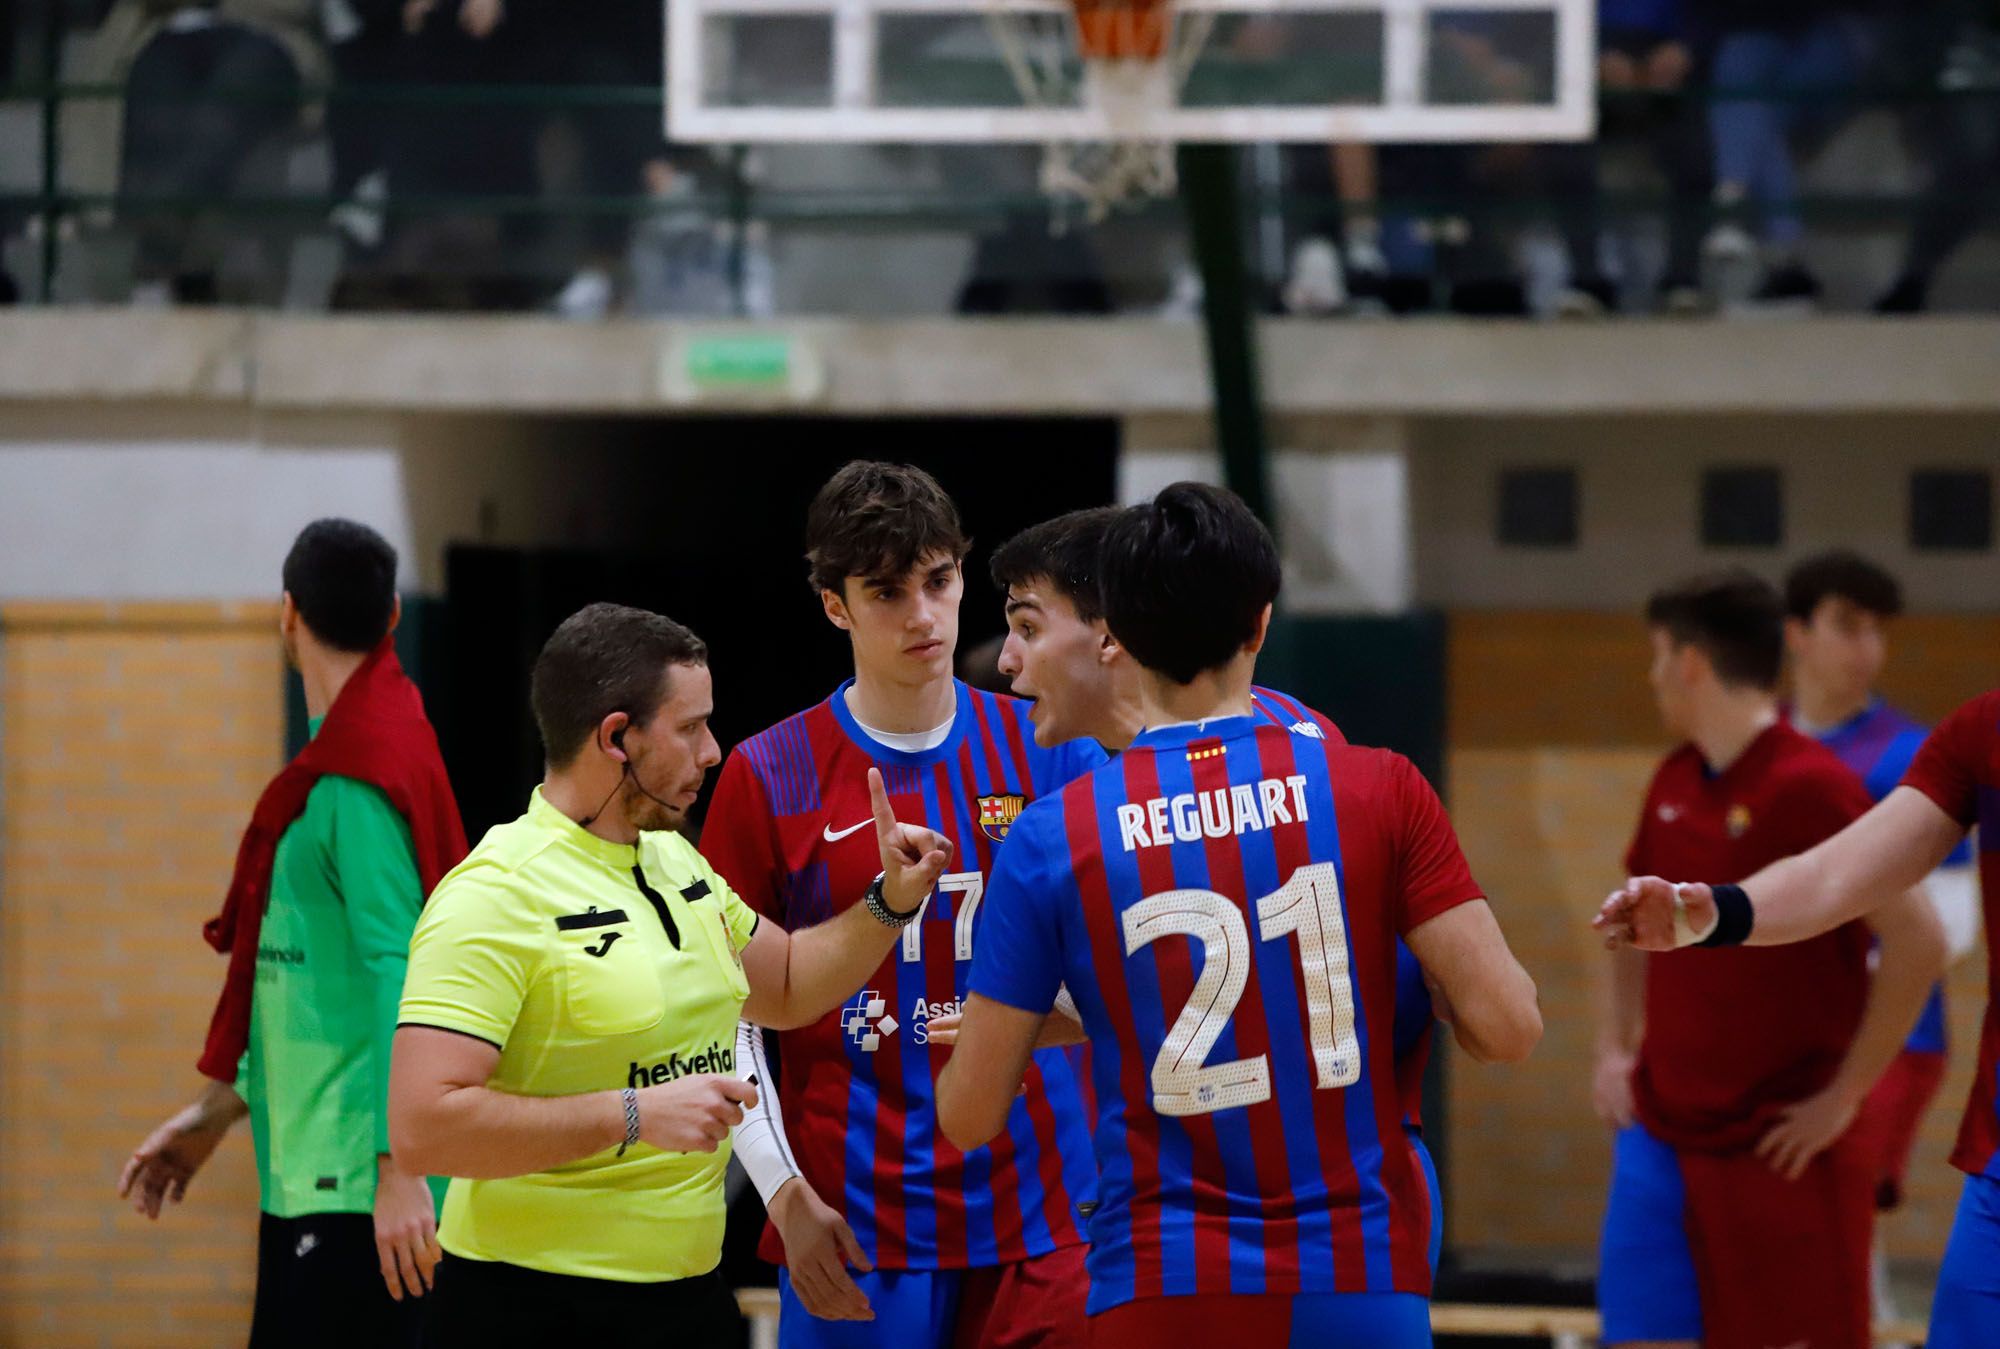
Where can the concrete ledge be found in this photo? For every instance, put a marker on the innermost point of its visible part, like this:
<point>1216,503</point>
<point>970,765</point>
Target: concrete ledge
<point>1002,366</point>
<point>126,354</point>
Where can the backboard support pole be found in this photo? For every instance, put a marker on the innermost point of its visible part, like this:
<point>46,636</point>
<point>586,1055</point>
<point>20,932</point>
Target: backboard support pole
<point>1208,182</point>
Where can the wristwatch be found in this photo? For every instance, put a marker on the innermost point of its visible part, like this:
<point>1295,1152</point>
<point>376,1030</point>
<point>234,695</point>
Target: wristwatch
<point>879,906</point>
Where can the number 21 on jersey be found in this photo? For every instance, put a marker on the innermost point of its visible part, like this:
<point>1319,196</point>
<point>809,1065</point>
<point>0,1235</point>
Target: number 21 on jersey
<point>1306,907</point>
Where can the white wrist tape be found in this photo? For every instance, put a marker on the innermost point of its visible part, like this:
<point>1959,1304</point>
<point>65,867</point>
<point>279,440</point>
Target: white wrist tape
<point>1685,933</point>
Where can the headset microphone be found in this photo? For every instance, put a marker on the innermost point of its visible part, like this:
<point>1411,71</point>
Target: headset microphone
<point>624,772</point>
<point>624,767</point>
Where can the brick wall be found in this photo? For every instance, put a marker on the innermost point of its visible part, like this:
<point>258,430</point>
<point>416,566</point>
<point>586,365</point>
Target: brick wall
<point>1552,739</point>
<point>135,739</point>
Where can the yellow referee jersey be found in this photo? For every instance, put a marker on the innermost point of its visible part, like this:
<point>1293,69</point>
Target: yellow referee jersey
<point>543,943</point>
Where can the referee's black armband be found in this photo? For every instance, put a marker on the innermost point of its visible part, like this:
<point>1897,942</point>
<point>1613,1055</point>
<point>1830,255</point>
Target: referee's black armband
<point>1734,916</point>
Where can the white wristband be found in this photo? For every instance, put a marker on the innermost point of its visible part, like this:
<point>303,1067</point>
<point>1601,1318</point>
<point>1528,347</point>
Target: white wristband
<point>760,1140</point>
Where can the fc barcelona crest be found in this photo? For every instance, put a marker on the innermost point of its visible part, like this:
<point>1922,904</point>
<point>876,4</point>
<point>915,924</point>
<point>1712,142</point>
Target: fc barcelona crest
<point>998,813</point>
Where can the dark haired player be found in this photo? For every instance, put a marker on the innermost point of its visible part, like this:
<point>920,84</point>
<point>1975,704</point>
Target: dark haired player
<point>1953,785</point>
<point>954,1248</point>
<point>343,847</point>
<point>1060,653</point>
<point>1838,607</point>
<point>1223,902</point>
<point>1741,1205</point>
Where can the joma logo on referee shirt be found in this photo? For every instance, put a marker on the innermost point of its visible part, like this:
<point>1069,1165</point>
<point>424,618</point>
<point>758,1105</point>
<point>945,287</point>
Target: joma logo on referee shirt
<point>716,1058</point>
<point>1193,816</point>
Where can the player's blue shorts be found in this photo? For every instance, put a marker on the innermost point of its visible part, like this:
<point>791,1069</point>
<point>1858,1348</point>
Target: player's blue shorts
<point>913,1307</point>
<point>1267,1320</point>
<point>916,1308</point>
<point>1037,1301</point>
<point>1646,1287</point>
<point>1966,1312</point>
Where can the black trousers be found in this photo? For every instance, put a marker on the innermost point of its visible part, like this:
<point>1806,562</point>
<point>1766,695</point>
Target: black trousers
<point>319,1286</point>
<point>483,1304</point>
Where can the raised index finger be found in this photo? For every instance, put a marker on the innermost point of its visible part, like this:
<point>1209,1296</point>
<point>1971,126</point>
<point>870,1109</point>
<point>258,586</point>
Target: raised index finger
<point>878,798</point>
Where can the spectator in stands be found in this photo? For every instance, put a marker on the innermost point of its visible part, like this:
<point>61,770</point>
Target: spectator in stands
<point>1964,154</point>
<point>619,150</point>
<point>213,96</point>
<point>1798,54</point>
<point>364,130</point>
<point>1324,278</point>
<point>678,258</point>
<point>1642,48</point>
<point>1643,63</point>
<point>474,256</point>
<point>1505,58</point>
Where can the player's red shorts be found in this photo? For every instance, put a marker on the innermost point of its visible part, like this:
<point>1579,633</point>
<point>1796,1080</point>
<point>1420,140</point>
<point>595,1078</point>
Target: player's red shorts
<point>1781,1262</point>
<point>1888,1120</point>
<point>1036,1303</point>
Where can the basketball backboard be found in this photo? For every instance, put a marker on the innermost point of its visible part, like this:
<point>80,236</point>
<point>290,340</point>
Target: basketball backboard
<point>954,71</point>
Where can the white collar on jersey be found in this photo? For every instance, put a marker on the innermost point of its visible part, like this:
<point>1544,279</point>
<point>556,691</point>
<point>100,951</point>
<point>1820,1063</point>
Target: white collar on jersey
<point>908,742</point>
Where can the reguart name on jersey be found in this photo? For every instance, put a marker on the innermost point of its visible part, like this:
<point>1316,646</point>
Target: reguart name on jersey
<point>1191,816</point>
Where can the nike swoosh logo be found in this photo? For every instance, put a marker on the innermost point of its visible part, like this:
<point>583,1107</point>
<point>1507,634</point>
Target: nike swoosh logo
<point>831,837</point>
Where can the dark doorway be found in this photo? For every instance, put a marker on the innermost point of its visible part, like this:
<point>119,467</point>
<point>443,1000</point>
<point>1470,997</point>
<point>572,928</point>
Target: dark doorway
<point>722,505</point>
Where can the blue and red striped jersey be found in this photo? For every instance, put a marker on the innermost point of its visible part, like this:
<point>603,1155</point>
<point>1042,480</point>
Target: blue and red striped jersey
<point>1415,1020</point>
<point>1879,743</point>
<point>1224,903</point>
<point>790,829</point>
<point>1959,769</point>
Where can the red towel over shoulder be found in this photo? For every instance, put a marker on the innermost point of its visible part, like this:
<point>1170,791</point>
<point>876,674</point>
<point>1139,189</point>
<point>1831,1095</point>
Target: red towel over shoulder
<point>375,732</point>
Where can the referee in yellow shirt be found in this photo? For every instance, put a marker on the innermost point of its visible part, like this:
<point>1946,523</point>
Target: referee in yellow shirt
<point>565,1048</point>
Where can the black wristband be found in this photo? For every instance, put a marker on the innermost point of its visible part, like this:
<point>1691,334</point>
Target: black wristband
<point>1734,916</point>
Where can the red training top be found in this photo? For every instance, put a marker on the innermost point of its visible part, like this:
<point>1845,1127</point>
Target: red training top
<point>1733,1034</point>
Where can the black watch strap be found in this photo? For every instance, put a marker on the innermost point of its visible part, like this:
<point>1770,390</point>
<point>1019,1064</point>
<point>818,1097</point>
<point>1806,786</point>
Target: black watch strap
<point>878,905</point>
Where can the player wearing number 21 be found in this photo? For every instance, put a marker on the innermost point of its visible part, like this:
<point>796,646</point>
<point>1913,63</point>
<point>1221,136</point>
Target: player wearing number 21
<point>1222,902</point>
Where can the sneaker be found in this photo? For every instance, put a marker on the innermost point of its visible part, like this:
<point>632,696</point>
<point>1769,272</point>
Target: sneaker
<point>1910,295</point>
<point>363,217</point>
<point>1489,297</point>
<point>587,297</point>
<point>1315,285</point>
<point>1731,265</point>
<point>1681,297</point>
<point>1184,294</point>
<point>1729,242</point>
<point>1787,287</point>
<point>1590,298</point>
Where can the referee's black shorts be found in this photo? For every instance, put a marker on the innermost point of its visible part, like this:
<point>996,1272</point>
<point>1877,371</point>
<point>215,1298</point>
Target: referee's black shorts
<point>484,1304</point>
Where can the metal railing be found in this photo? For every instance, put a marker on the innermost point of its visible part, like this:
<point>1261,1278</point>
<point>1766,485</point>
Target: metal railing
<point>733,196</point>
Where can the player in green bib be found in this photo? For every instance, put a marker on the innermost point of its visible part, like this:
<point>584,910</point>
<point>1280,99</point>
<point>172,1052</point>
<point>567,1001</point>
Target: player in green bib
<point>347,1240</point>
<point>567,1046</point>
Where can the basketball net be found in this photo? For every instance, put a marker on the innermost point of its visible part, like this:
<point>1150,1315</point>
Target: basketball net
<point>1136,55</point>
